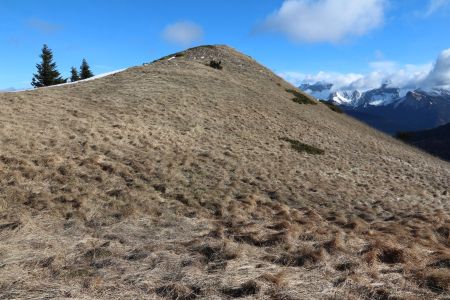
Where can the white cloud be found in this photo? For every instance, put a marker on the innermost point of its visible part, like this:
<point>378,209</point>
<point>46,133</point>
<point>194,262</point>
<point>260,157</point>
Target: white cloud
<point>338,80</point>
<point>440,74</point>
<point>183,33</point>
<point>435,5</point>
<point>325,20</point>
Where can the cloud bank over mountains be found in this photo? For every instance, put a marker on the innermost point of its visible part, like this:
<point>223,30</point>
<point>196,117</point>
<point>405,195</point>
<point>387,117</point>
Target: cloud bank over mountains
<point>428,76</point>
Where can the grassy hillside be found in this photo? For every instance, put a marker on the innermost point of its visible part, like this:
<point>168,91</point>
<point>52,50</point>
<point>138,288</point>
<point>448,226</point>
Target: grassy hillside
<point>435,141</point>
<point>176,180</point>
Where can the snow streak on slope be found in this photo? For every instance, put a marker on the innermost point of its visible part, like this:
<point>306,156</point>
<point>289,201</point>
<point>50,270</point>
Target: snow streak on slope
<point>12,90</point>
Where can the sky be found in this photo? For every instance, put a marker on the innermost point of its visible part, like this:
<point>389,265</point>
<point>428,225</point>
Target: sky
<point>353,44</point>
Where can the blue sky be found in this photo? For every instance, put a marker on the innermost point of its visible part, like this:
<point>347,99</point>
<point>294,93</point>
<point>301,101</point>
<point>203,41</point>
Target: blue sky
<point>299,39</point>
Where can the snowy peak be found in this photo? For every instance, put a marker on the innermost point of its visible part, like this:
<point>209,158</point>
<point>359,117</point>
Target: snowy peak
<point>381,96</point>
<point>349,98</point>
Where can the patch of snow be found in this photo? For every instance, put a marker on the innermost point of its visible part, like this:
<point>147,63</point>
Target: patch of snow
<point>88,79</point>
<point>12,90</point>
<point>98,76</point>
<point>68,83</point>
<point>377,103</point>
<point>383,99</point>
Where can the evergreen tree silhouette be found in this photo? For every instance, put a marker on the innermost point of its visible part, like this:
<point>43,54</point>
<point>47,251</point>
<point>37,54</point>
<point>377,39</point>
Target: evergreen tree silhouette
<point>74,75</point>
<point>85,71</point>
<point>46,71</point>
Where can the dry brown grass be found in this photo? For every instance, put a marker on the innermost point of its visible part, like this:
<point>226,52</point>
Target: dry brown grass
<point>170,181</point>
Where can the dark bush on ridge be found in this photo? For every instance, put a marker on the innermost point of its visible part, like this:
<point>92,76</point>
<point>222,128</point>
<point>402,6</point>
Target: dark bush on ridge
<point>216,64</point>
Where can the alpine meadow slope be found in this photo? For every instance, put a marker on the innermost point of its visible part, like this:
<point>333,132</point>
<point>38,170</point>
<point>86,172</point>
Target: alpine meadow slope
<point>176,180</point>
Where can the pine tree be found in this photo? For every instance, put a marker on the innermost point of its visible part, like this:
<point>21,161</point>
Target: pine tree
<point>74,75</point>
<point>46,71</point>
<point>85,71</point>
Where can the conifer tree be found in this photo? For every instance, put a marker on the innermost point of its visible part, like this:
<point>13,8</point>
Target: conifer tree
<point>46,71</point>
<point>74,75</point>
<point>85,71</point>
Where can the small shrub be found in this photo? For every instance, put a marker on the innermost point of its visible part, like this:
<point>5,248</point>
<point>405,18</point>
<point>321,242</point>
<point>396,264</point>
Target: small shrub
<point>443,263</point>
<point>276,279</point>
<point>332,106</point>
<point>437,280</point>
<point>301,147</point>
<point>97,253</point>
<point>10,226</point>
<point>391,256</point>
<point>217,252</point>
<point>246,289</point>
<point>178,291</point>
<point>300,98</point>
<point>298,259</point>
<point>216,64</point>
<point>334,245</point>
<point>136,254</point>
<point>346,266</point>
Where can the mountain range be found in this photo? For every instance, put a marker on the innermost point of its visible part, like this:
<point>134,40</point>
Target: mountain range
<point>387,108</point>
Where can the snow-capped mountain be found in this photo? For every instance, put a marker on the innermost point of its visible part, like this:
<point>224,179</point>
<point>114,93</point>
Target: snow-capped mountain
<point>390,109</point>
<point>382,96</point>
<point>349,98</point>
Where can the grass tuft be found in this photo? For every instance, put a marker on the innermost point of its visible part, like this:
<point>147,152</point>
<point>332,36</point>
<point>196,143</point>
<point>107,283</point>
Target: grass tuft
<point>176,291</point>
<point>246,289</point>
<point>438,281</point>
<point>333,107</point>
<point>300,98</point>
<point>302,147</point>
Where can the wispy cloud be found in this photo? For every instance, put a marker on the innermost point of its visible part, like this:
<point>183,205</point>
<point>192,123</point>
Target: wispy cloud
<point>14,41</point>
<point>436,5</point>
<point>325,20</point>
<point>183,33</point>
<point>432,75</point>
<point>384,65</point>
<point>44,26</point>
